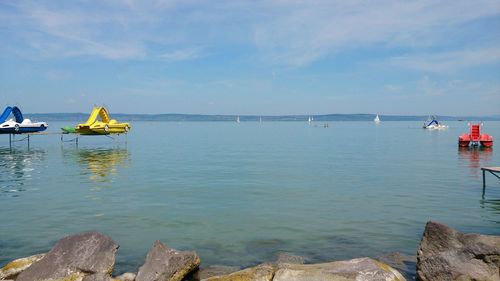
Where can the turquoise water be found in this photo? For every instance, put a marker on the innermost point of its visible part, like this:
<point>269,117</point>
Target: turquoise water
<point>239,193</point>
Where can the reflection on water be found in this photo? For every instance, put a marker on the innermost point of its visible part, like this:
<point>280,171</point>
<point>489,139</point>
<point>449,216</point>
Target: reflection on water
<point>18,166</point>
<point>493,206</point>
<point>475,157</point>
<point>100,164</point>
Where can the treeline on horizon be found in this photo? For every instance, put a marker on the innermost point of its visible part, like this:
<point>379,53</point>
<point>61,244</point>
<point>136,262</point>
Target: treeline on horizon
<point>255,118</point>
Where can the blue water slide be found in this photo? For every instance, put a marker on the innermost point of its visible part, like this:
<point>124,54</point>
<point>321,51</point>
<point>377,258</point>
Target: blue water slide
<point>7,111</point>
<point>17,114</point>
<point>434,121</point>
<point>14,110</point>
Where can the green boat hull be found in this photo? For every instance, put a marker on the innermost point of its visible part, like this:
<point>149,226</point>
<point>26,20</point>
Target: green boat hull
<point>68,130</point>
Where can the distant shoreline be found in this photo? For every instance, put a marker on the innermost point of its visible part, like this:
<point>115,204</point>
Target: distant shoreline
<point>255,118</point>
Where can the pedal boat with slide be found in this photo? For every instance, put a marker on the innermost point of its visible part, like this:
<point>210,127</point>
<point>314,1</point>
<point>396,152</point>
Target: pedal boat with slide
<point>433,124</point>
<point>104,126</point>
<point>19,124</point>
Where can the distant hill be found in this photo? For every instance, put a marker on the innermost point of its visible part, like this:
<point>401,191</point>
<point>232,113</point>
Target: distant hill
<point>81,117</point>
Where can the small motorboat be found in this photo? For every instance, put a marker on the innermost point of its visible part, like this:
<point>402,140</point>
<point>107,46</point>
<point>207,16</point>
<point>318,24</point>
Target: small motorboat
<point>105,126</point>
<point>433,124</point>
<point>475,138</point>
<point>19,125</point>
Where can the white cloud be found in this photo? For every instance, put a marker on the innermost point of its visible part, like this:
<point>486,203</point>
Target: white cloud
<point>183,54</point>
<point>292,33</point>
<point>57,75</point>
<point>68,32</point>
<point>391,88</point>
<point>459,89</point>
<point>449,61</point>
<point>429,87</point>
<point>302,32</point>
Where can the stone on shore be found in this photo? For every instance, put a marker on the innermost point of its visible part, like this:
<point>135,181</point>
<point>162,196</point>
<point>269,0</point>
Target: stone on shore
<point>213,270</point>
<point>406,265</point>
<point>97,277</point>
<point>167,264</point>
<point>128,276</point>
<point>446,254</point>
<point>263,272</point>
<point>13,268</point>
<point>365,269</point>
<point>74,258</point>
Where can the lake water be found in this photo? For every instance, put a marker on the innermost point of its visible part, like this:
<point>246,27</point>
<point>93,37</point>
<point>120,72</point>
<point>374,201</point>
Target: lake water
<point>240,193</point>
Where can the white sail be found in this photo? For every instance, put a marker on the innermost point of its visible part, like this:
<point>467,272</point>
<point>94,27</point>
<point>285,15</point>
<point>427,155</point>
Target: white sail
<point>238,119</point>
<point>377,119</point>
<point>309,120</point>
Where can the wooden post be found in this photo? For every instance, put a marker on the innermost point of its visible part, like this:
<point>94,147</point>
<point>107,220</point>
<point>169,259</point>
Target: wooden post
<point>484,181</point>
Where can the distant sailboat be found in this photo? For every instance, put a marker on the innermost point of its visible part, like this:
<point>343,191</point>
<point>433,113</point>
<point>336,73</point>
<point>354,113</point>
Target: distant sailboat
<point>238,119</point>
<point>377,119</point>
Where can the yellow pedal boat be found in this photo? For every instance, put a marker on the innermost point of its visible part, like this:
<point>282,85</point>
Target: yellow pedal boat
<point>105,126</point>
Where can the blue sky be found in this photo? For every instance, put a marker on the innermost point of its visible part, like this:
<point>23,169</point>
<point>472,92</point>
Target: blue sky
<point>252,57</point>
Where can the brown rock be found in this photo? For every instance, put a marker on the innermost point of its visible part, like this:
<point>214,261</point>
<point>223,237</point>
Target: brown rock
<point>263,272</point>
<point>73,258</point>
<point>13,268</point>
<point>166,264</point>
<point>446,254</point>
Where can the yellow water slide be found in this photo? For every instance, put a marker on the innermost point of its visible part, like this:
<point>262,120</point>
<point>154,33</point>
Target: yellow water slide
<point>97,111</point>
<point>104,126</point>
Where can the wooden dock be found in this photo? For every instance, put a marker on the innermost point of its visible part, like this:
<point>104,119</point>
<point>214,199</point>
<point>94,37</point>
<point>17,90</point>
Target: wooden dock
<point>492,170</point>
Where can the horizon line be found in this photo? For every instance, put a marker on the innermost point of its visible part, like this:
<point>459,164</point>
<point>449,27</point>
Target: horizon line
<point>278,115</point>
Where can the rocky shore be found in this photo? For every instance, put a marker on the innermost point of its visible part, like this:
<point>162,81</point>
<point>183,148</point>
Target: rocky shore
<point>443,254</point>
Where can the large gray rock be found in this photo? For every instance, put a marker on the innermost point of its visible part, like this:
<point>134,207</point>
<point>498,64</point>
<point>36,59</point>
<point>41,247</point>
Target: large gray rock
<point>365,269</point>
<point>166,264</point>
<point>446,254</point>
<point>75,257</point>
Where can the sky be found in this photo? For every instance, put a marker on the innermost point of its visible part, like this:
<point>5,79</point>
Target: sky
<point>269,57</point>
